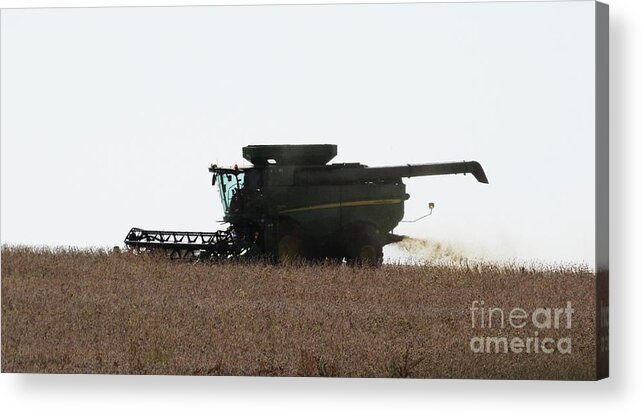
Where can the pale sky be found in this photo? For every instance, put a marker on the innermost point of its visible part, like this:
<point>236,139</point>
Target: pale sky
<point>111,116</point>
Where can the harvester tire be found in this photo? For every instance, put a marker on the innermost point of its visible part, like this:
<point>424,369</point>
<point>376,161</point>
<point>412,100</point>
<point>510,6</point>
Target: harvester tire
<point>290,243</point>
<point>365,250</point>
<point>289,248</point>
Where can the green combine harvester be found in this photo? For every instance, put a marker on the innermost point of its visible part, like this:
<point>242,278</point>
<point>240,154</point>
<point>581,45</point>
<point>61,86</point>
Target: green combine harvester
<point>292,204</point>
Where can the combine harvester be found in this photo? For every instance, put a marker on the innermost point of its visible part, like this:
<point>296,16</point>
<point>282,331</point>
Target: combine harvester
<point>291,204</point>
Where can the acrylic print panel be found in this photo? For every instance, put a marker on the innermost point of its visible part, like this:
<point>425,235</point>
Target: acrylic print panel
<point>397,261</point>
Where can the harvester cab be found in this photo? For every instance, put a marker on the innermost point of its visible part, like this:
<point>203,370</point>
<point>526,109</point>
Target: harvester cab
<point>290,203</point>
<point>229,183</point>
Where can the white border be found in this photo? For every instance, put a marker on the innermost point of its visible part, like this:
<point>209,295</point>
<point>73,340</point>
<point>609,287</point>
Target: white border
<point>111,394</point>
<point>134,3</point>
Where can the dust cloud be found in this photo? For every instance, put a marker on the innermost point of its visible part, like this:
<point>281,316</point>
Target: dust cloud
<point>431,250</point>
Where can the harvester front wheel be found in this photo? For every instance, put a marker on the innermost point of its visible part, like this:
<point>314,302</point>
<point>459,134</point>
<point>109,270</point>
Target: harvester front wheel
<point>289,245</point>
<point>289,248</point>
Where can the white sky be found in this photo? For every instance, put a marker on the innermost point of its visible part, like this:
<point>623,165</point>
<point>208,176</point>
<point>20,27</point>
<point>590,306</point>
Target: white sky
<point>111,116</point>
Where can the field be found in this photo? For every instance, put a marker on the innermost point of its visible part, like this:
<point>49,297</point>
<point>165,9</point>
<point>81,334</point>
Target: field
<point>68,311</point>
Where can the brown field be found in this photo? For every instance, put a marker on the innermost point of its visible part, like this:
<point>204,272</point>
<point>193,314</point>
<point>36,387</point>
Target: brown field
<point>68,311</point>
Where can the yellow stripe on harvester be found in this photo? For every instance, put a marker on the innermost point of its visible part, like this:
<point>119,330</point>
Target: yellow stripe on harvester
<point>346,204</point>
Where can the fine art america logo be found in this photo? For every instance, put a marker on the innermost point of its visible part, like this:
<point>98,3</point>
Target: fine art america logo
<point>493,319</point>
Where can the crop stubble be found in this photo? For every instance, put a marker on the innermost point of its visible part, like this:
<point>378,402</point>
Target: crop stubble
<point>73,311</point>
